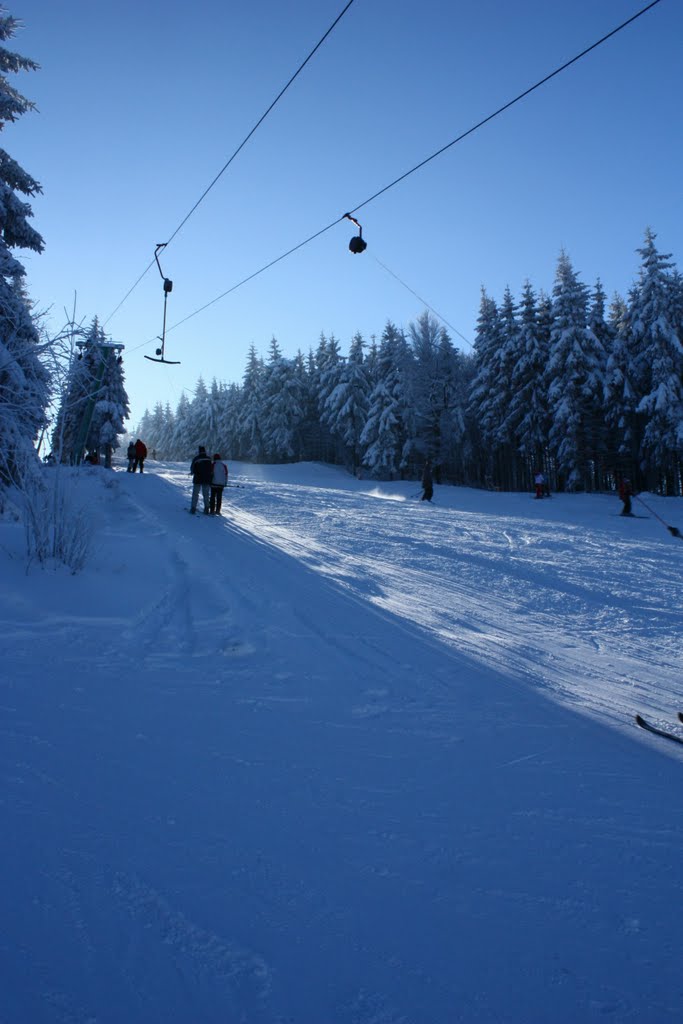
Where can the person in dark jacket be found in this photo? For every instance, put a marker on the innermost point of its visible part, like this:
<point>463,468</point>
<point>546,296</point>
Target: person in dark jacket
<point>219,480</point>
<point>201,469</point>
<point>427,482</point>
<point>131,456</point>
<point>140,454</point>
<point>625,492</point>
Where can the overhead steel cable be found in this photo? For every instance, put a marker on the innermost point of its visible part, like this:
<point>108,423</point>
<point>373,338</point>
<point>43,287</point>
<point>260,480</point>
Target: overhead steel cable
<point>506,106</point>
<point>256,273</point>
<point>423,163</point>
<point>423,301</point>
<point>237,151</point>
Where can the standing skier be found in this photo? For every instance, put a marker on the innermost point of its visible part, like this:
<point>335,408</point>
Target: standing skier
<point>625,492</point>
<point>131,456</point>
<point>201,469</point>
<point>539,484</point>
<point>140,454</point>
<point>219,480</point>
<point>427,482</point>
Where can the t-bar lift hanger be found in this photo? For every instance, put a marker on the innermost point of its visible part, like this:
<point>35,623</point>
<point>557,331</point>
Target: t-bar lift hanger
<point>168,287</point>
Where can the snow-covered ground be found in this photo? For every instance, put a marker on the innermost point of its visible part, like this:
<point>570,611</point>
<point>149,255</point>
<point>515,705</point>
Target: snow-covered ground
<point>342,757</point>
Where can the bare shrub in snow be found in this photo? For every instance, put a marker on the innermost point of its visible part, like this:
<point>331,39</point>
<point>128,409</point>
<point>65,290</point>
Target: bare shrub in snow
<point>57,528</point>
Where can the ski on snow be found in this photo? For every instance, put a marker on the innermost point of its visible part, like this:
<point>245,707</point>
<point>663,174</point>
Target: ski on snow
<point>644,724</point>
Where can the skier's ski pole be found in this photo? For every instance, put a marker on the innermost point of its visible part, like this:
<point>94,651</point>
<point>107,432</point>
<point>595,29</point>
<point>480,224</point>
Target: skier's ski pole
<point>673,530</point>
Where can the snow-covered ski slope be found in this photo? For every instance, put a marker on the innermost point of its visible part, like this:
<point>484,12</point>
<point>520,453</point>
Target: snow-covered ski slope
<point>342,757</point>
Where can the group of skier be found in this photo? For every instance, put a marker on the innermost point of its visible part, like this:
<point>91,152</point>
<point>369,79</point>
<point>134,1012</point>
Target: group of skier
<point>210,476</point>
<point>541,488</point>
<point>137,453</point>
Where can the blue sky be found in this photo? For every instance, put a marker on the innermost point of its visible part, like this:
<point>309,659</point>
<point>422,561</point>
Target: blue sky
<point>140,105</point>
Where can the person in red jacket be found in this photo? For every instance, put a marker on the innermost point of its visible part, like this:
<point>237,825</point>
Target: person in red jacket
<point>140,455</point>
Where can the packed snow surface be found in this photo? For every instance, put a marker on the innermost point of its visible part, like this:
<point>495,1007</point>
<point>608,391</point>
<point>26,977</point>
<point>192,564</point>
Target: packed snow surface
<point>342,757</point>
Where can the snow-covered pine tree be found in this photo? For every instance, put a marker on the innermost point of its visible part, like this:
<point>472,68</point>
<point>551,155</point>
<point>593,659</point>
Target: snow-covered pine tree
<point>510,473</point>
<point>659,352</point>
<point>482,405</point>
<point>527,420</point>
<point>283,407</point>
<point>146,428</point>
<point>604,331</point>
<point>311,428</point>
<point>94,401</point>
<point>198,424</point>
<point>111,407</point>
<point>620,396</point>
<point>328,367</point>
<point>163,446</point>
<point>251,410</point>
<point>181,441</point>
<point>227,421</point>
<point>24,383</point>
<point>346,408</point>
<point>455,372</point>
<point>153,430</point>
<point>384,435</point>
<point>576,369</point>
<point>425,387</point>
<point>214,401</point>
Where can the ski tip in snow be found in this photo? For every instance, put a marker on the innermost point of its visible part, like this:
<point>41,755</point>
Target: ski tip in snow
<point>644,724</point>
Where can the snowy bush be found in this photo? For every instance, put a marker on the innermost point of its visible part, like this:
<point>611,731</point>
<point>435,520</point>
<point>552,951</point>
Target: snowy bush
<point>57,529</point>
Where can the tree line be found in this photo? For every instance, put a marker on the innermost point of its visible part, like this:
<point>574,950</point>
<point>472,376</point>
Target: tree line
<point>556,382</point>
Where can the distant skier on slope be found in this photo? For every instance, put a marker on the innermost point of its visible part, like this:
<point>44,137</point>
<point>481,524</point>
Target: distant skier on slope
<point>201,469</point>
<point>539,484</point>
<point>625,492</point>
<point>427,482</point>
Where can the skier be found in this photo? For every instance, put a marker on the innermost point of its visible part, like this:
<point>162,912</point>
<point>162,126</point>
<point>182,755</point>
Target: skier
<point>625,492</point>
<point>131,456</point>
<point>539,484</point>
<point>219,480</point>
<point>427,482</point>
<point>201,469</point>
<point>140,454</point>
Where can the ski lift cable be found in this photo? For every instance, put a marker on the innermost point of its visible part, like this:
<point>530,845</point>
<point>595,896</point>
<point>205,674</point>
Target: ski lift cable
<point>673,530</point>
<point>417,167</point>
<point>423,301</point>
<point>236,152</point>
<point>244,280</point>
<point>510,103</point>
<point>261,120</point>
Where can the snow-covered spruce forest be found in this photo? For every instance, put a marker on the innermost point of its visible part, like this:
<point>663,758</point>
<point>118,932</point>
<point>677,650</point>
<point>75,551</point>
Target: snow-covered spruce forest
<point>586,392</point>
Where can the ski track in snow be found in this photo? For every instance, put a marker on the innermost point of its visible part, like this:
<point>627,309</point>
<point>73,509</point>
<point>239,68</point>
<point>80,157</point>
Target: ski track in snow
<point>291,766</point>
